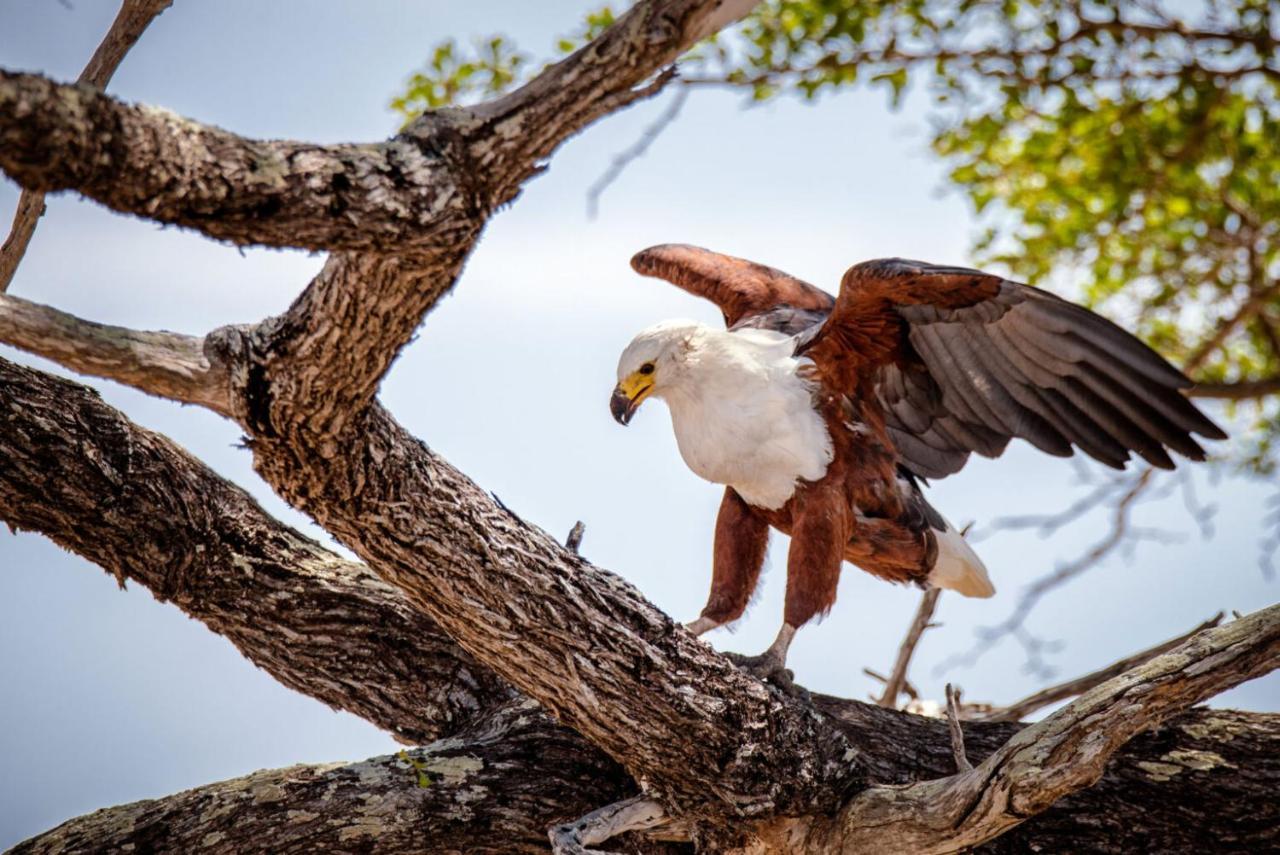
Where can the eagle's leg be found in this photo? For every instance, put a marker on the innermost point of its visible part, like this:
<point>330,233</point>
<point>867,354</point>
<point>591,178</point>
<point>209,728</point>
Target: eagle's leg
<point>742,537</point>
<point>819,531</point>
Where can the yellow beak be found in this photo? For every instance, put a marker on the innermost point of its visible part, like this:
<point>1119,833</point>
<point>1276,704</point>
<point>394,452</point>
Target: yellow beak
<point>628,395</point>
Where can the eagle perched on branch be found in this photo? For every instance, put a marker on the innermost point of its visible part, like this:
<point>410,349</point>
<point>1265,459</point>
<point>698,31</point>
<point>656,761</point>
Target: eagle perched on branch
<point>821,415</point>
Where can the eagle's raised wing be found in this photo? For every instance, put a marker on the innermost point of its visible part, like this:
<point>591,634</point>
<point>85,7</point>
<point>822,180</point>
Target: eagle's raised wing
<point>748,294</point>
<point>963,361</point>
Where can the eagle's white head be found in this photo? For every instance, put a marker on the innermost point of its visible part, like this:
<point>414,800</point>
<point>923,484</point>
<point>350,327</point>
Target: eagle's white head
<point>655,361</point>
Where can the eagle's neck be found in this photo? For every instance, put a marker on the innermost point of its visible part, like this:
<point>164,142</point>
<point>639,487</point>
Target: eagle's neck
<point>744,417</point>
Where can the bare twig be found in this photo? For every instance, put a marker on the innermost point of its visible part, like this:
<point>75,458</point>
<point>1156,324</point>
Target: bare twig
<point>898,677</point>
<point>1018,710</point>
<point>1270,543</point>
<point>957,735</point>
<point>908,689</point>
<point>130,22</point>
<point>574,541</point>
<point>635,151</point>
<point>1127,492</point>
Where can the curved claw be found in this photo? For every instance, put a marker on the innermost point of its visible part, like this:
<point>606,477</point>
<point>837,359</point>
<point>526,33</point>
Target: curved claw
<point>769,668</point>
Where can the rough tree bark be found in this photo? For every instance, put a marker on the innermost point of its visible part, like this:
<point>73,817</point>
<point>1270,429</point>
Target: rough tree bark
<point>726,759</point>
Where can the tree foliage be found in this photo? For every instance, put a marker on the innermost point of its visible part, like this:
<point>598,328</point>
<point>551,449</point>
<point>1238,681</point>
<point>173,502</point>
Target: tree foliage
<point>1129,149</point>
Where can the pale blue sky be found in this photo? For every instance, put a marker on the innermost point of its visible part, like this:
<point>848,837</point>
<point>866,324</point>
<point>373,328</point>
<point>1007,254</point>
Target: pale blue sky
<point>111,697</point>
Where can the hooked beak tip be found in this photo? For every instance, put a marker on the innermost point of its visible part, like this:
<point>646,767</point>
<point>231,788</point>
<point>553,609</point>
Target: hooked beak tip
<point>622,407</point>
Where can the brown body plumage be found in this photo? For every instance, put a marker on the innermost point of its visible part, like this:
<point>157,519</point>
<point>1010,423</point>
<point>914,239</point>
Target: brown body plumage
<point>913,367</point>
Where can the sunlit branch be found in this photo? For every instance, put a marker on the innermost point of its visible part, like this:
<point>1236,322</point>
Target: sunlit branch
<point>169,365</point>
<point>1020,709</point>
<point>897,678</point>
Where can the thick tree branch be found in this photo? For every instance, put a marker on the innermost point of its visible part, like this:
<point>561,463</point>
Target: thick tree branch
<point>143,509</point>
<point>493,788</point>
<point>134,17</point>
<point>578,639</point>
<point>156,164</point>
<point>428,189</point>
<point>1203,782</point>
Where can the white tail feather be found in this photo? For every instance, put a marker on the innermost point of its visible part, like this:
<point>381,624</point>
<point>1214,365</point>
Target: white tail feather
<point>958,567</point>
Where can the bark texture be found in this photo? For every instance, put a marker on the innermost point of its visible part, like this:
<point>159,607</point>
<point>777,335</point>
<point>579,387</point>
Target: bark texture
<point>1201,783</point>
<point>143,509</point>
<point>168,365</point>
<point>493,788</point>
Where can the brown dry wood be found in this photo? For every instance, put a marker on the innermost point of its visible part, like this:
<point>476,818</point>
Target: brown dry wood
<point>1020,709</point>
<point>494,787</point>
<point>165,364</point>
<point>896,682</point>
<point>1203,782</point>
<point>429,189</point>
<point>1056,757</point>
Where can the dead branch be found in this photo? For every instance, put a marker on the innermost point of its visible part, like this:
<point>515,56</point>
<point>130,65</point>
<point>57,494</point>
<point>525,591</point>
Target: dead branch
<point>165,364</point>
<point>957,734</point>
<point>634,814</point>
<point>1018,710</point>
<point>1127,491</point>
<point>897,679</point>
<point>574,541</point>
<point>635,151</point>
<point>1062,754</point>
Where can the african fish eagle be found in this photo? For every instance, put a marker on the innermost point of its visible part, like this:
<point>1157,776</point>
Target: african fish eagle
<point>823,416</point>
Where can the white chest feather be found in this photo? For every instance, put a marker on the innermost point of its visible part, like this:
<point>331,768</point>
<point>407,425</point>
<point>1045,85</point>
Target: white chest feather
<point>743,417</point>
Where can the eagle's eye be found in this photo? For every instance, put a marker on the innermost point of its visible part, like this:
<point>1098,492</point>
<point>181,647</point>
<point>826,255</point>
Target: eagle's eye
<point>647,368</point>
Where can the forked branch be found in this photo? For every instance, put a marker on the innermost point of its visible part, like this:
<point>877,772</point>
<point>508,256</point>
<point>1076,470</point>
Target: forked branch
<point>1066,752</point>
